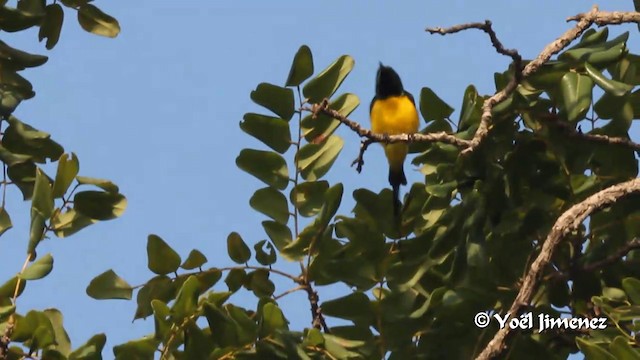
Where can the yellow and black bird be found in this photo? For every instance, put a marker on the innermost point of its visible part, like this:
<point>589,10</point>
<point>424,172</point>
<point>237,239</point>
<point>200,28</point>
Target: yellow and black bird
<point>393,111</point>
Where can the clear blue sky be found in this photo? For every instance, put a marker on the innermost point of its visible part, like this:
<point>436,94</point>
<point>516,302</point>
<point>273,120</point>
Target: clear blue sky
<point>157,111</point>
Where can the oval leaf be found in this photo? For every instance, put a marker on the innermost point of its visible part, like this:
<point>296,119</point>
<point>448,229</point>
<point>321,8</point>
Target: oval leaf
<point>318,129</point>
<point>267,166</point>
<point>99,205</point>
<point>315,160</point>
<point>261,256</point>
<point>432,107</point>
<point>615,88</point>
<point>301,68</point>
<point>39,269</point>
<point>273,132</point>
<point>275,98</point>
<point>328,81</point>
<point>308,197</point>
<point>195,260</point>
<point>109,285</point>
<point>68,167</point>
<point>95,21</point>
<point>576,95</point>
<point>238,251</point>
<point>272,203</point>
<point>162,259</point>
<point>51,25</point>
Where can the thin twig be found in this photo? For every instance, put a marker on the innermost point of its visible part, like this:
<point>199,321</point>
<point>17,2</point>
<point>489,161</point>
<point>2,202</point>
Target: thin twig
<point>569,221</point>
<point>372,137</point>
<point>500,96</point>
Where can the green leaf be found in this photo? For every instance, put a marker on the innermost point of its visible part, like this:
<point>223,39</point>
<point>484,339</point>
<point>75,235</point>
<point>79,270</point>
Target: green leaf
<point>5,221</point>
<point>99,205</point>
<point>315,130</point>
<point>235,278</point>
<point>471,108</point>
<point>600,54</point>
<point>162,259</point>
<point>109,285</point>
<point>275,98</point>
<point>621,349</point>
<point>103,184</point>
<point>39,269</point>
<point>308,197</point>
<point>273,132</point>
<point>95,21</point>
<point>432,107</point>
<point>592,351</point>
<point>140,349</point>
<point>22,138</point>
<point>10,158</point>
<point>20,59</point>
<point>8,288</point>
<point>160,288</point>
<point>63,343</point>
<point>301,68</point>
<point>69,222</point>
<point>261,256</point>
<point>355,307</point>
<point>91,350</point>
<point>328,81</point>
<point>279,233</point>
<point>258,282</point>
<point>632,287</point>
<point>195,260</point>
<point>615,88</point>
<point>267,166</point>
<point>68,167</point>
<point>23,176</point>
<point>51,25</point>
<point>238,251</point>
<point>187,299</point>
<point>576,95</point>
<point>315,160</point>
<point>41,210</point>
<point>42,200</point>
<point>272,203</point>
<point>272,320</point>
<point>6,311</point>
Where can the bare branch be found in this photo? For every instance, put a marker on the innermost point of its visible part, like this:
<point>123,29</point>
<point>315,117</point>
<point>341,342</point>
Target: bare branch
<point>608,17</point>
<point>585,21</point>
<point>486,26</point>
<point>487,107</point>
<point>569,221</point>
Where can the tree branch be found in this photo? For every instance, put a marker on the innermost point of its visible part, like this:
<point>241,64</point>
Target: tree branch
<point>491,102</point>
<point>372,137</point>
<point>569,221</point>
<point>585,21</point>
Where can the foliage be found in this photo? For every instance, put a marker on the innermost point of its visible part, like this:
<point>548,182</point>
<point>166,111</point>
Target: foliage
<point>466,233</point>
<point>61,205</point>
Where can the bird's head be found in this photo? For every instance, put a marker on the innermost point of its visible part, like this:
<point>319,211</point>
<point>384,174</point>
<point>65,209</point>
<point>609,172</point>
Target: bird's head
<point>388,82</point>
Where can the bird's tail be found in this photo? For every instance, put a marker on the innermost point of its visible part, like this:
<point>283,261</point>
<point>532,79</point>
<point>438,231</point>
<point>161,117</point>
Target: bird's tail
<point>397,178</point>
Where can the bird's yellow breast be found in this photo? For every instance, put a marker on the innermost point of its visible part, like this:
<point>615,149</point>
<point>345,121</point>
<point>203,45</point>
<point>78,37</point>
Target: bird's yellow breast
<point>394,115</point>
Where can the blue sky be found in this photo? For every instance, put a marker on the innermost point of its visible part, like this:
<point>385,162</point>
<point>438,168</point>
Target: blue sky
<point>157,110</point>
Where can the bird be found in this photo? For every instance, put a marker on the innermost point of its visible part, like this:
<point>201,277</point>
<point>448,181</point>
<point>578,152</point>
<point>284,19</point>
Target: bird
<point>393,111</point>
